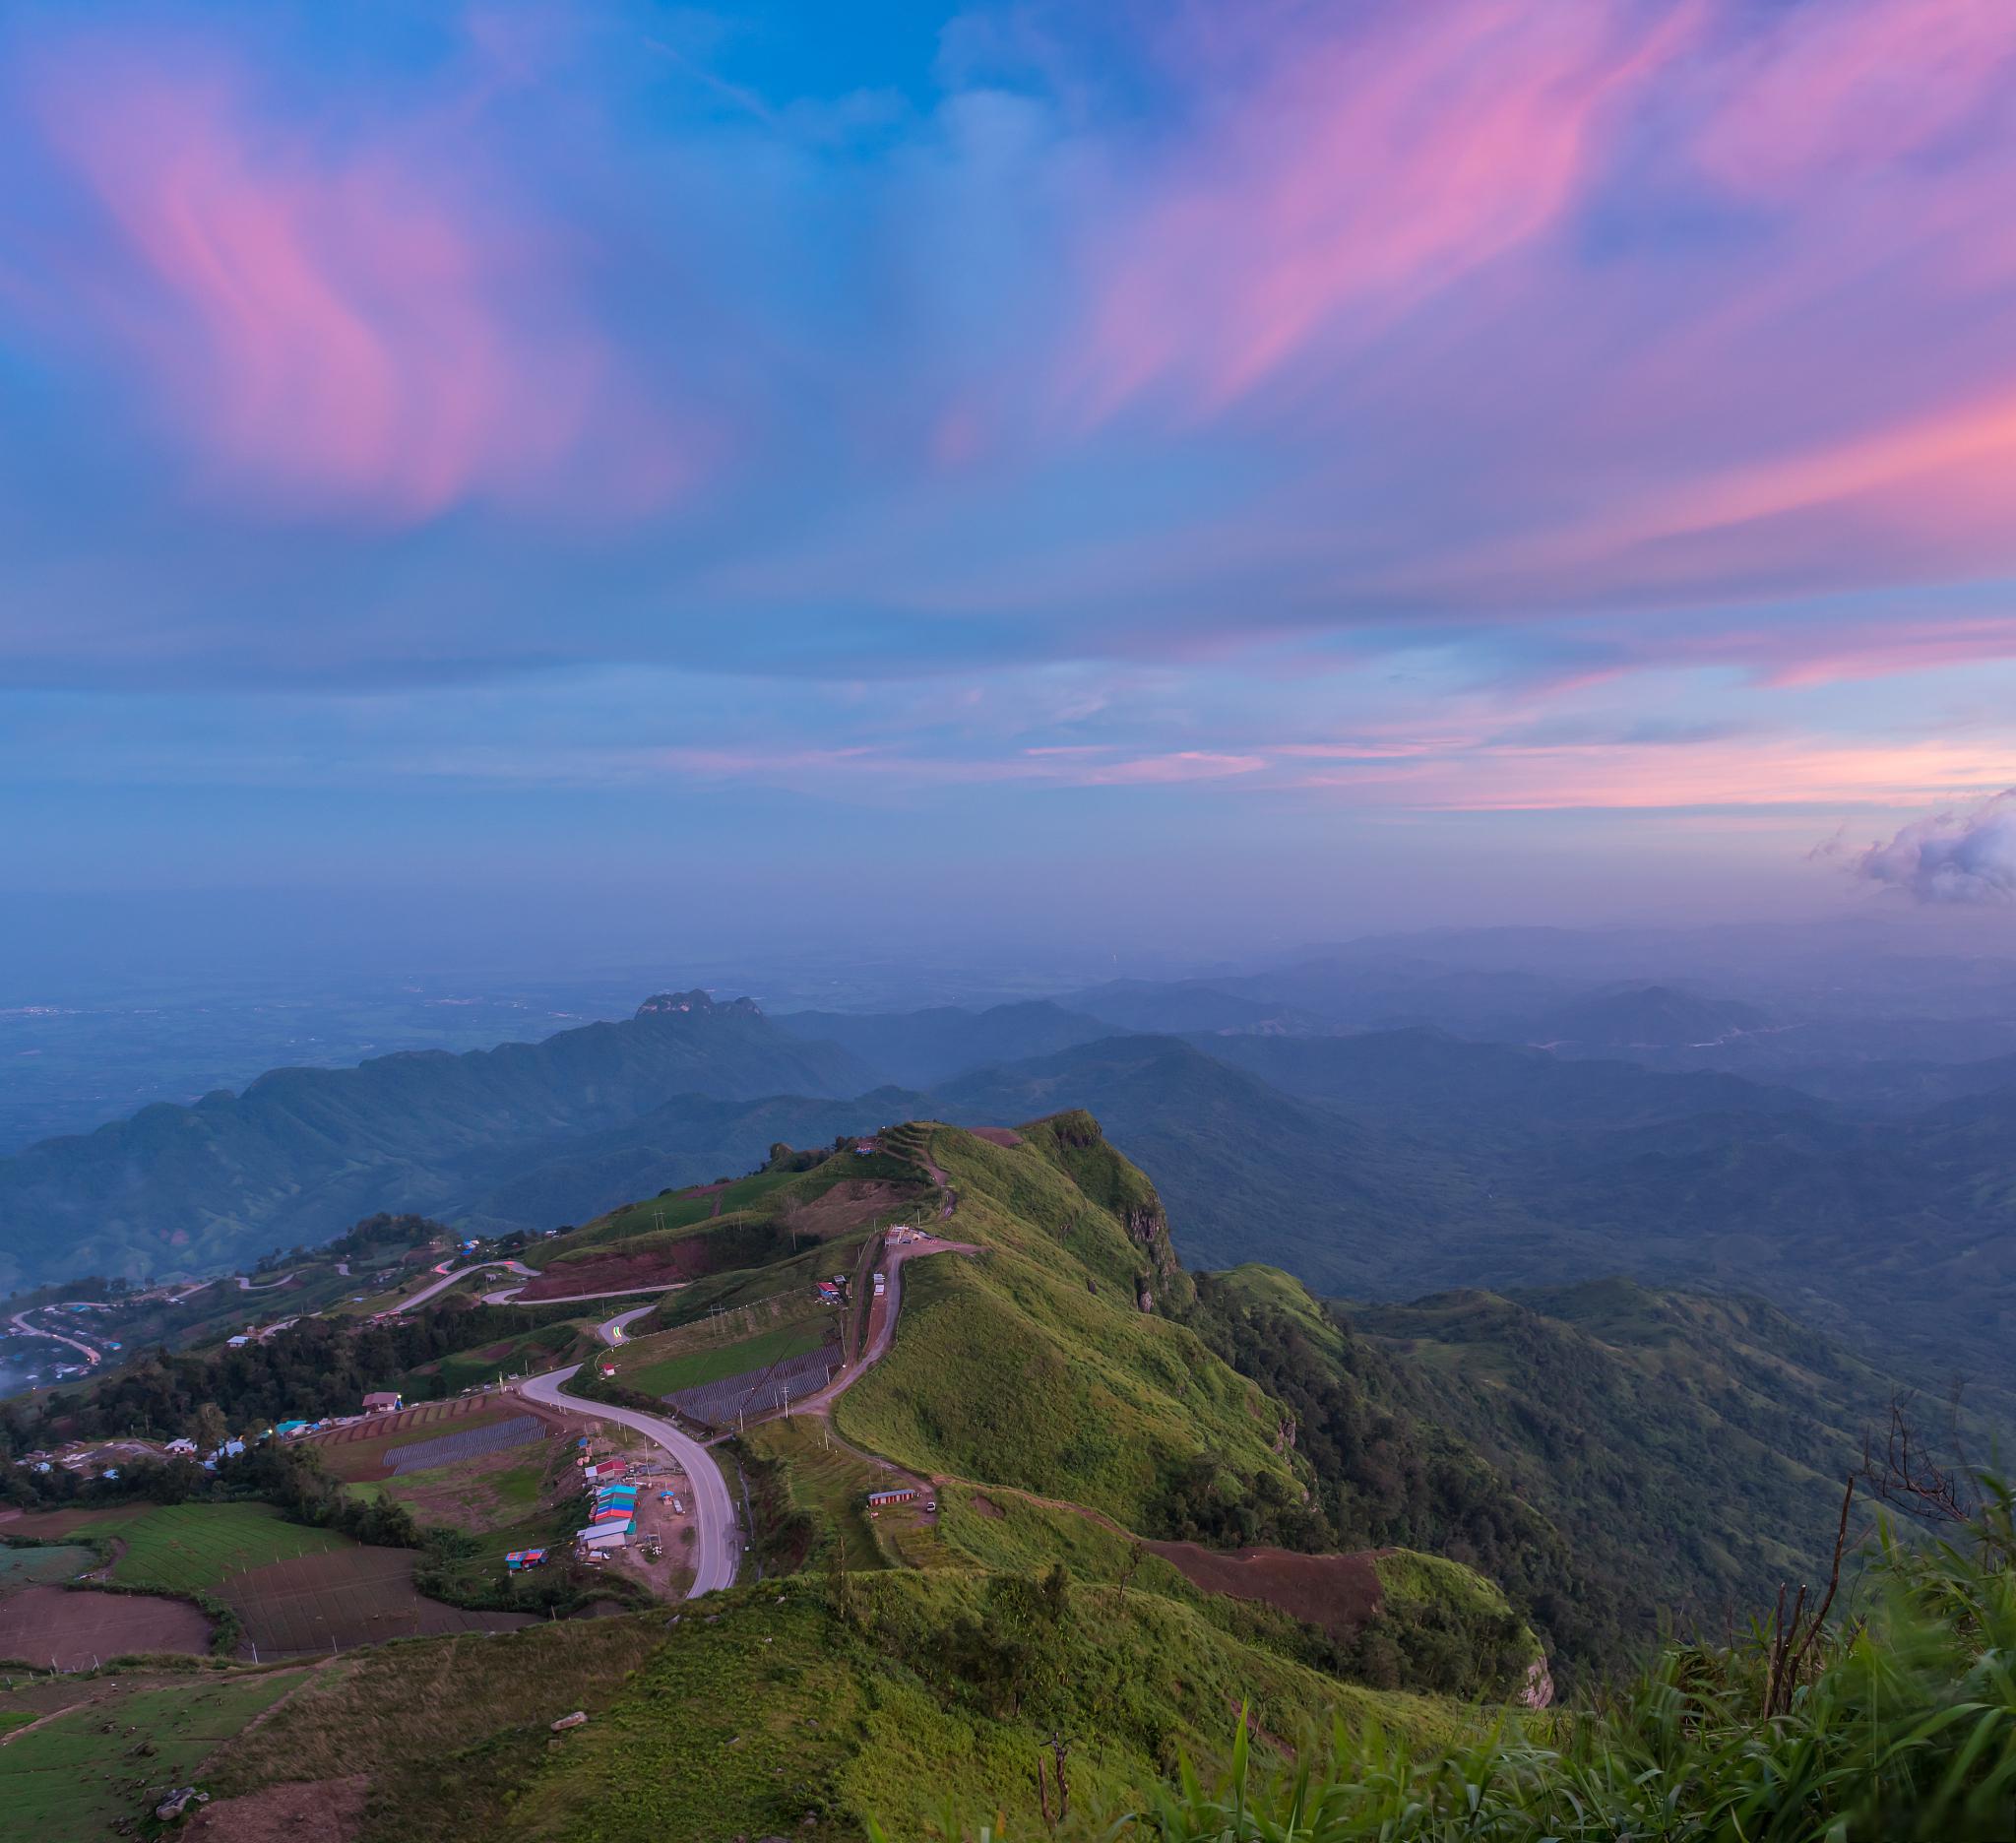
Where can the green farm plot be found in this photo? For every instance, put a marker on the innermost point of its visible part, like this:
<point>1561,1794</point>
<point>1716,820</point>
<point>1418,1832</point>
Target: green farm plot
<point>24,1567</point>
<point>686,1210</point>
<point>690,1367</point>
<point>195,1548</point>
<point>639,1219</point>
<point>87,1774</point>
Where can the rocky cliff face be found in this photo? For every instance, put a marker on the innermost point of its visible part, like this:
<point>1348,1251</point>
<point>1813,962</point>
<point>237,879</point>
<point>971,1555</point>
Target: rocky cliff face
<point>1120,1185</point>
<point>1149,1226</point>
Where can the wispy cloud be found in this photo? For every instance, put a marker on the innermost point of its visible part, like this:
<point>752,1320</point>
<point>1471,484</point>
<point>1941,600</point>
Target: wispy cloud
<point>1492,406</point>
<point>354,328</point>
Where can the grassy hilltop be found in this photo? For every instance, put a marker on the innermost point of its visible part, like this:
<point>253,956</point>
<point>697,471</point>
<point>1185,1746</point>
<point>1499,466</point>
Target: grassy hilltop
<point>1044,1386</point>
<point>1156,1497</point>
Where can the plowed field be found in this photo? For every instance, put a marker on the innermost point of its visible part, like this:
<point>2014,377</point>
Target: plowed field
<point>348,1597</point>
<point>1338,1592</point>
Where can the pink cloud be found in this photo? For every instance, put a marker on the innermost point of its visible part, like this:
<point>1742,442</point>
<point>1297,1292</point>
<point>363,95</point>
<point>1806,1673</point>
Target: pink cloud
<point>1841,88</point>
<point>1763,772</point>
<point>1363,172</point>
<point>329,326</point>
<point>1810,653</point>
<point>1179,766</point>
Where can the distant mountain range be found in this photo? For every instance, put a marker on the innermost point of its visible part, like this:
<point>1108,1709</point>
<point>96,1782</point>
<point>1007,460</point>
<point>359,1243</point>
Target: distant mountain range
<point>914,1049</point>
<point>1376,1164</point>
<point>1394,1163</point>
<point>1644,1017</point>
<point>304,1153</point>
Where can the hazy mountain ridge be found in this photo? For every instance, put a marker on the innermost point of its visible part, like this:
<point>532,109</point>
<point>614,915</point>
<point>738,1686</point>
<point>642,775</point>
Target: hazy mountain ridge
<point>1410,1159</point>
<point>1376,1164</point>
<point>302,1152</point>
<point>916,1049</point>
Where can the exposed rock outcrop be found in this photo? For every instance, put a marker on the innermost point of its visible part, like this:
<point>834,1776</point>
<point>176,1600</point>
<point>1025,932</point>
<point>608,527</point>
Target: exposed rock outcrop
<point>667,1004</point>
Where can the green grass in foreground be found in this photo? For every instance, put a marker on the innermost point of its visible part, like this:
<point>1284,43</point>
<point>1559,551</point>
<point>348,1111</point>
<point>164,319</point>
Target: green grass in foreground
<point>195,1548</point>
<point>72,1781</point>
<point>1899,1726</point>
<point>690,1369</point>
<point>449,1728</point>
<point>788,1715</point>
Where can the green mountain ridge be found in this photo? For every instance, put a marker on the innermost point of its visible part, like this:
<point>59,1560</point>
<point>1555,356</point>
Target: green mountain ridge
<point>302,1152</point>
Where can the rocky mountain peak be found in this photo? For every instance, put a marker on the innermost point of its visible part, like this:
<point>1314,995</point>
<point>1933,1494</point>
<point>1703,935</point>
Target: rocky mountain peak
<point>668,1003</point>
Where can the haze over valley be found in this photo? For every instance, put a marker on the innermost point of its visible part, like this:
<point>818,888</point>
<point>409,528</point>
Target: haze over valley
<point>942,923</point>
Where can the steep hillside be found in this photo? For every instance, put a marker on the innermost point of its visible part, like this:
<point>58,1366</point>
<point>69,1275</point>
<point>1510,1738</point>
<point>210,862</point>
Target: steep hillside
<point>1383,1166</point>
<point>1043,1361</point>
<point>804,1709</point>
<point>302,1152</point>
<point>1657,1458</point>
<point>1694,1446</point>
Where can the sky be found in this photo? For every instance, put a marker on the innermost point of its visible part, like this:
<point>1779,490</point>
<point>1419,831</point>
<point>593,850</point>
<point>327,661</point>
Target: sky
<point>1162,473</point>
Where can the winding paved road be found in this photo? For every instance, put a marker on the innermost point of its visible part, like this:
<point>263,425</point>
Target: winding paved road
<point>447,1280</point>
<point>508,1296</point>
<point>610,1330</point>
<point>717,1542</point>
<point>27,1327</point>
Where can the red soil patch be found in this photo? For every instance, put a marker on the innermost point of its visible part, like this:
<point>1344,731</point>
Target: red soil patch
<point>346,1596</point>
<point>997,1135</point>
<point>611,1273</point>
<point>308,1811</point>
<point>1338,1592</point>
<point>38,1623</point>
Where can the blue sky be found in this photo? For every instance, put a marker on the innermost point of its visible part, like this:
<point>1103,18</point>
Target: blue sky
<point>1195,471</point>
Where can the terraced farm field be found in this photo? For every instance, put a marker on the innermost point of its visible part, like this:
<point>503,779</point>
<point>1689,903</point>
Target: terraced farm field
<point>829,1484</point>
<point>79,1778</point>
<point>194,1548</point>
<point>691,1367</point>
<point>685,1210</point>
<point>486,1492</point>
<point>465,1443</point>
<point>344,1597</point>
<point>358,1452</point>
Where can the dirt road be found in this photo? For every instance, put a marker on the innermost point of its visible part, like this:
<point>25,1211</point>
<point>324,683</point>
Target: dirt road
<point>717,1540</point>
<point>881,1317</point>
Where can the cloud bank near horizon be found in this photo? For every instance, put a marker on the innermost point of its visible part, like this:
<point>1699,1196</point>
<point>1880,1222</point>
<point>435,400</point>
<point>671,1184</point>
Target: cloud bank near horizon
<point>1960,857</point>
